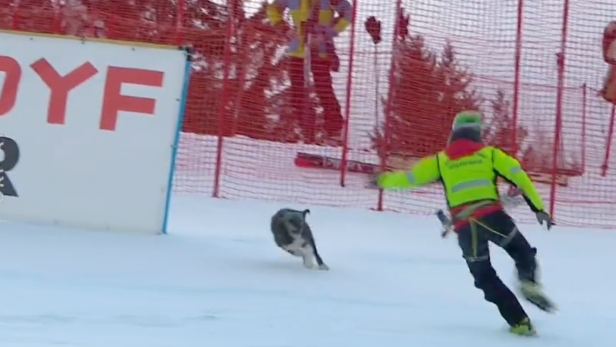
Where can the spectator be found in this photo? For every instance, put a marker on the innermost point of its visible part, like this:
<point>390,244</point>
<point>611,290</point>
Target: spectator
<point>609,55</point>
<point>316,22</point>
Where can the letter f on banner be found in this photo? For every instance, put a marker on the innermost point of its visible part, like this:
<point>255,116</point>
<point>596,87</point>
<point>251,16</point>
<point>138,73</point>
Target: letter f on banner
<point>114,101</point>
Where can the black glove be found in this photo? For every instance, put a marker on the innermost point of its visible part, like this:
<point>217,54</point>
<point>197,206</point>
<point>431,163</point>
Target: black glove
<point>373,27</point>
<point>544,217</point>
<point>446,222</point>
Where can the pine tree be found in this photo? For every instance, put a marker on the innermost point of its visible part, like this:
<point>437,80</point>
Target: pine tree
<point>535,151</point>
<point>500,126</point>
<point>254,65</point>
<point>429,89</point>
<point>262,70</point>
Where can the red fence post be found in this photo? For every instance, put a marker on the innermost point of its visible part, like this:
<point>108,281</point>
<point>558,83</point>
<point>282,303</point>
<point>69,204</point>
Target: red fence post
<point>390,95</point>
<point>14,18</point>
<point>347,109</point>
<point>57,19</point>
<point>584,111</point>
<point>223,103</point>
<point>516,79</point>
<point>559,103</point>
<point>608,144</point>
<point>179,22</point>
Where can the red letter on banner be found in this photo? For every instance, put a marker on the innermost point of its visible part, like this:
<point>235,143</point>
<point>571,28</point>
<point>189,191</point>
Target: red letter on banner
<point>114,101</point>
<point>60,86</point>
<point>12,75</point>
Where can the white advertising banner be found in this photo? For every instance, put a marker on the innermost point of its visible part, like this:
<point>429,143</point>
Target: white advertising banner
<point>88,131</point>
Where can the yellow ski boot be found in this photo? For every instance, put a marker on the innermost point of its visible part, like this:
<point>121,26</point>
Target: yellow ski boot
<point>524,328</point>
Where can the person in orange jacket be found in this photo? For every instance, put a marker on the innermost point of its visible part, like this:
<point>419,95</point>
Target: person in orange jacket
<point>316,22</point>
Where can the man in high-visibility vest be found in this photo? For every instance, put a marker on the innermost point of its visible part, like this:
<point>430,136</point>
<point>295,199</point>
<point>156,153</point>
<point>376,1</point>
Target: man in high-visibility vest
<point>468,170</point>
<point>317,22</point>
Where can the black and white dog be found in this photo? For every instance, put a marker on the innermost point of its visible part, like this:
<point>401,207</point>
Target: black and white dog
<point>293,234</point>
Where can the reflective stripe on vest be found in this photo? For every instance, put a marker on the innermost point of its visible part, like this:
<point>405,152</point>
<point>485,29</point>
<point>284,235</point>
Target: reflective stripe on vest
<point>480,182</point>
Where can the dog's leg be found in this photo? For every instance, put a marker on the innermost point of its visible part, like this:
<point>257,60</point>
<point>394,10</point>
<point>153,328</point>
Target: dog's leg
<point>308,259</point>
<point>307,254</point>
<point>294,248</point>
<point>322,265</point>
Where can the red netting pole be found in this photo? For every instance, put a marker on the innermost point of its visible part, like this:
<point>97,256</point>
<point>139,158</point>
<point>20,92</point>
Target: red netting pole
<point>223,104</point>
<point>584,114</point>
<point>57,25</point>
<point>559,103</point>
<point>390,95</point>
<point>179,20</point>
<point>608,145</point>
<point>14,19</point>
<point>347,108</point>
<point>516,79</point>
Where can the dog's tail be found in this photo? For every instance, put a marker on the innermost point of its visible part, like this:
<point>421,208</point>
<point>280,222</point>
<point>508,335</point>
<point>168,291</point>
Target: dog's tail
<point>305,212</point>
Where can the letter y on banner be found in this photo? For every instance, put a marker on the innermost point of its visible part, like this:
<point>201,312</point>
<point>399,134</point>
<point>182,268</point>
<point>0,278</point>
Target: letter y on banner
<point>60,86</point>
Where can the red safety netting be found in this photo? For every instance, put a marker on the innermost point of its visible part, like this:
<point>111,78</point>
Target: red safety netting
<point>534,68</point>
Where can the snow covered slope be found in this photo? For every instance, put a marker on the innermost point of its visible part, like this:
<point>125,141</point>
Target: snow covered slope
<point>218,280</point>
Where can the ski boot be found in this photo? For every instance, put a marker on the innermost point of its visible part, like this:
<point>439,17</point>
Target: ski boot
<point>524,328</point>
<point>530,288</point>
<point>533,293</point>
